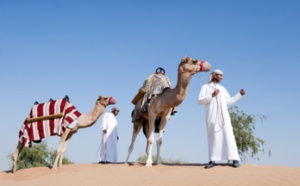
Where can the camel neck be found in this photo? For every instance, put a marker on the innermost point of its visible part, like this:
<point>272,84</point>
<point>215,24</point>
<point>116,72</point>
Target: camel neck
<point>181,88</point>
<point>96,112</point>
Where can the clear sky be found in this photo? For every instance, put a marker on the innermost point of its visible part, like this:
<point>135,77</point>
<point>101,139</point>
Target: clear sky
<point>88,48</point>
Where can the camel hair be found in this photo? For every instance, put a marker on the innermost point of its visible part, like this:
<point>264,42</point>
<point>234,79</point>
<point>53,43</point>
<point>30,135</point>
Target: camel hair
<point>83,121</point>
<point>162,104</point>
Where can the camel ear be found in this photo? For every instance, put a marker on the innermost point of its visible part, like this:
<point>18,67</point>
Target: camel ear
<point>185,59</point>
<point>100,97</point>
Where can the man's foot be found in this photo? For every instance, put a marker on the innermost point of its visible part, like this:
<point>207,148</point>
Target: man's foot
<point>236,164</point>
<point>209,165</point>
<point>101,162</point>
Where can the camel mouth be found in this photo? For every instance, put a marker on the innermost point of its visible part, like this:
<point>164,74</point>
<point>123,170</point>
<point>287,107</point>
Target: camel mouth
<point>204,66</point>
<point>112,101</point>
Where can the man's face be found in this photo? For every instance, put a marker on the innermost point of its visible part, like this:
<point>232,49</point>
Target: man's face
<point>218,77</point>
<point>115,112</point>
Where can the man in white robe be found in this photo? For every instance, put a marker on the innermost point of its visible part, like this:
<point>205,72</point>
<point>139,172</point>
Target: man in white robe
<point>221,141</point>
<point>110,137</point>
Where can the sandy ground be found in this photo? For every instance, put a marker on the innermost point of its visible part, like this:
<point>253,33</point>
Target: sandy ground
<point>137,174</point>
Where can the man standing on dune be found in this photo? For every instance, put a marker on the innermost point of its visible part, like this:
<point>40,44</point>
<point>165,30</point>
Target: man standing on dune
<point>110,137</point>
<point>221,141</point>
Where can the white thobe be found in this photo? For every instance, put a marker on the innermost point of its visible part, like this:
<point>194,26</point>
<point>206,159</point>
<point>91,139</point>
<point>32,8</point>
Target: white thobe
<point>109,140</point>
<point>220,137</point>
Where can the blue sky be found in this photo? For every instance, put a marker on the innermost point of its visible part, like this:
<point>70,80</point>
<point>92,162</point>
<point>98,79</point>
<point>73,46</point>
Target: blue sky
<point>88,48</point>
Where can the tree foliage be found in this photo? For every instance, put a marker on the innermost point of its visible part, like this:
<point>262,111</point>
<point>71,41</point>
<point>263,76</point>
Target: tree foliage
<point>38,155</point>
<point>244,127</point>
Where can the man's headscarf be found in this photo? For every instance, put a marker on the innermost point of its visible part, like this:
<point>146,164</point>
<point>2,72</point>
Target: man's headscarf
<point>217,71</point>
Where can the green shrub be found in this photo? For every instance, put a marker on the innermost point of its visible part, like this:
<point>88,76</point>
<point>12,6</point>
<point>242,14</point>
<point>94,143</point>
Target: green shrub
<point>38,155</point>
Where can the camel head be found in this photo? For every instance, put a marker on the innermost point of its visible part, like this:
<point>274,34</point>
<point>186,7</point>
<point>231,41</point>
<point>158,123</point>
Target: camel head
<point>193,65</point>
<point>105,101</point>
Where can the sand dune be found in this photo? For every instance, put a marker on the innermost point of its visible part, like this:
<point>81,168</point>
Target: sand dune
<point>136,174</point>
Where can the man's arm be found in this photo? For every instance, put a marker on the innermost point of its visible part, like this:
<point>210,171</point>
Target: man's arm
<point>204,97</point>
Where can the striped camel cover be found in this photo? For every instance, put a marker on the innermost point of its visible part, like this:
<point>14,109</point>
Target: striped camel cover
<point>37,130</point>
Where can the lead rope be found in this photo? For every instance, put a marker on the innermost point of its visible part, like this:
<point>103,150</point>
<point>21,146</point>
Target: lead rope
<point>220,112</point>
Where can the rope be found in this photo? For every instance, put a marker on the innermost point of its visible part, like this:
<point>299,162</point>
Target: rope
<point>218,101</point>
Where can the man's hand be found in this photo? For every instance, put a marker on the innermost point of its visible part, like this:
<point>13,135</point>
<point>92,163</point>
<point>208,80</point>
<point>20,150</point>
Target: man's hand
<point>216,92</point>
<point>242,92</point>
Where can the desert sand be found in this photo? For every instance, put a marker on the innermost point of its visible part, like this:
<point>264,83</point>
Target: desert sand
<point>132,174</point>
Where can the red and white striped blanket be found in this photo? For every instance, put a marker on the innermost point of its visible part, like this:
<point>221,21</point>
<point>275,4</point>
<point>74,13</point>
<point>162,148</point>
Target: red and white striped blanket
<point>37,130</point>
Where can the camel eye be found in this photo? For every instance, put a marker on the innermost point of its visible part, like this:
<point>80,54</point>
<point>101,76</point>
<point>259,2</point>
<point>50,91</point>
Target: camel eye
<point>194,61</point>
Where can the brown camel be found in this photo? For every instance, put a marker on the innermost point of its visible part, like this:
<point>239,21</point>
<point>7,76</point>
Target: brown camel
<point>83,121</point>
<point>162,104</point>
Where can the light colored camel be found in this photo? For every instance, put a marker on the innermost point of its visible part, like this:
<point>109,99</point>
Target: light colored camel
<point>162,104</point>
<point>83,121</point>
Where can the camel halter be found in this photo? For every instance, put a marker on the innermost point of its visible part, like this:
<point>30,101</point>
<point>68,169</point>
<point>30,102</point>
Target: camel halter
<point>201,65</point>
<point>104,104</point>
<point>109,102</point>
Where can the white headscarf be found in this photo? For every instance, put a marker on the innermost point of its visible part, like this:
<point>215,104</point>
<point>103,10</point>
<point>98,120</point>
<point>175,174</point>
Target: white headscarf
<point>217,71</point>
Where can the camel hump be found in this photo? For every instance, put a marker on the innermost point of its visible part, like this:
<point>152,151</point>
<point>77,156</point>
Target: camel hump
<point>158,85</point>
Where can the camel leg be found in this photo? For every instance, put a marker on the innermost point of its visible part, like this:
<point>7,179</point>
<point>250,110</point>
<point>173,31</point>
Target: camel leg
<point>64,147</point>
<point>150,139</point>
<point>160,136</point>
<point>63,153</point>
<point>15,156</point>
<point>59,152</point>
<point>136,129</point>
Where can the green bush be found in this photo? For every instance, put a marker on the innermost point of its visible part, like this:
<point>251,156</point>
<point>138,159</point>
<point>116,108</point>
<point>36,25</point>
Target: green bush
<point>244,127</point>
<point>38,155</point>
<point>143,159</point>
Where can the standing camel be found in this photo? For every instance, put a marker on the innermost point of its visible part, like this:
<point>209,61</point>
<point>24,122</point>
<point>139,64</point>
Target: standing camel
<point>83,121</point>
<point>162,104</point>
